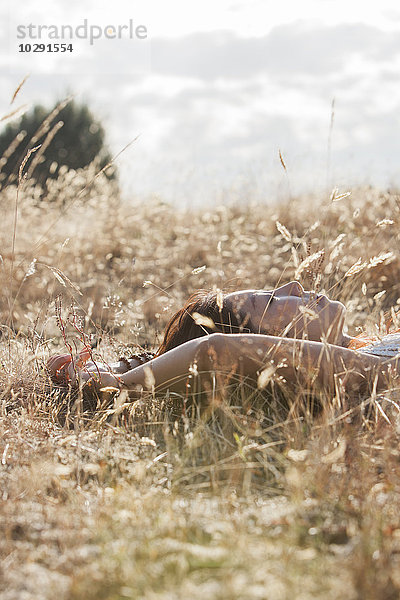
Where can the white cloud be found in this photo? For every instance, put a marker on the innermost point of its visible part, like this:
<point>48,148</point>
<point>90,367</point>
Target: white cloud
<point>218,100</point>
<point>288,50</point>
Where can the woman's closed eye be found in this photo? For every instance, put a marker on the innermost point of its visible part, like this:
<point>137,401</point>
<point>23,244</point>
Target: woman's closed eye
<point>268,298</point>
<point>268,295</point>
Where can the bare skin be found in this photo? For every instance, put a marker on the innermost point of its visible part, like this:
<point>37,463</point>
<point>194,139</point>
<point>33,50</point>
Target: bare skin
<point>319,358</point>
<point>290,311</point>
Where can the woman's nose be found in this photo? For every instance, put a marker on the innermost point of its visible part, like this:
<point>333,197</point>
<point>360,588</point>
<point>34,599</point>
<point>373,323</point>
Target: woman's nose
<point>297,288</point>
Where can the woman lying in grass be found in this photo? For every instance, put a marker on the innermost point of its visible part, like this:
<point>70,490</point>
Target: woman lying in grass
<point>285,335</point>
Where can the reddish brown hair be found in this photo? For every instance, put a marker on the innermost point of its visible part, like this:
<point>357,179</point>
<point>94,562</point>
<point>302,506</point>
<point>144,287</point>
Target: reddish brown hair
<point>183,327</point>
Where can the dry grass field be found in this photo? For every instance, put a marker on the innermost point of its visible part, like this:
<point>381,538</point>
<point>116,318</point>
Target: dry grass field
<point>262,498</point>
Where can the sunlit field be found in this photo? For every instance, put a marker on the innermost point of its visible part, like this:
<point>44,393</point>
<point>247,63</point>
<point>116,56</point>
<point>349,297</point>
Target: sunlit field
<point>261,494</point>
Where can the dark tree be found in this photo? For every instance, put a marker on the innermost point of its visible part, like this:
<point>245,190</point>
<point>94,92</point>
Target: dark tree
<point>68,134</point>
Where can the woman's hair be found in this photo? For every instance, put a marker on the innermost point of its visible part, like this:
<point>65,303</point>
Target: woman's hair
<point>187,324</point>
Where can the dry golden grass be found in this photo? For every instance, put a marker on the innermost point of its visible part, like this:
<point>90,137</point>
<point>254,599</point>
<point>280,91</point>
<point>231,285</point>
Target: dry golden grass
<point>251,501</point>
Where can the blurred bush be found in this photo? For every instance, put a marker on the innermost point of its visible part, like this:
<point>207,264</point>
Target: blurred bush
<point>69,135</point>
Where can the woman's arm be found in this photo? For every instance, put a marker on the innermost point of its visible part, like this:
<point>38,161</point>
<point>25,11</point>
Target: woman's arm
<point>66,367</point>
<point>306,363</point>
<point>297,361</point>
<point>168,371</point>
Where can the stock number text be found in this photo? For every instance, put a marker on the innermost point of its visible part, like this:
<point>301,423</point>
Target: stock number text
<point>45,48</point>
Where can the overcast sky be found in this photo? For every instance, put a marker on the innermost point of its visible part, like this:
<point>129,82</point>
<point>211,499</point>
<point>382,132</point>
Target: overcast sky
<point>218,88</point>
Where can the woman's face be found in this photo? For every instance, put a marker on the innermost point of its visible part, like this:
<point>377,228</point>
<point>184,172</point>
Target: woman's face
<point>291,312</point>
